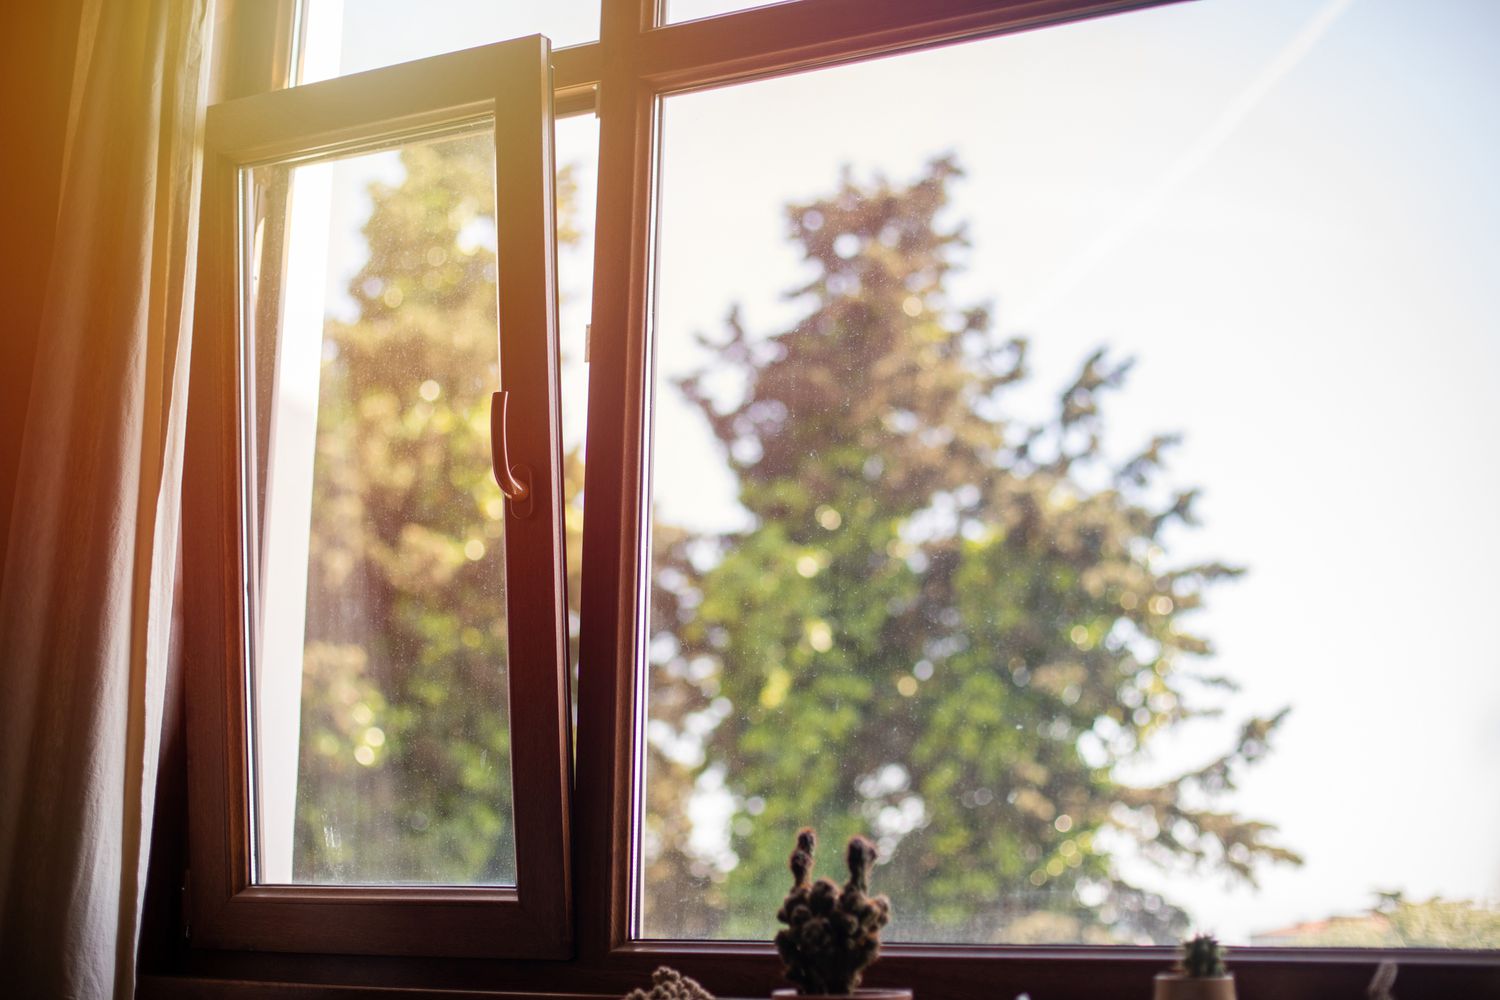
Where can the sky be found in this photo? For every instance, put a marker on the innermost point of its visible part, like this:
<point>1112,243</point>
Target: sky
<point>1286,211</point>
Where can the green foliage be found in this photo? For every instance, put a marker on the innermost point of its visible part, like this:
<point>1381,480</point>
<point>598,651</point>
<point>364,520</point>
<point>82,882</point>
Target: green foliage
<point>832,935</point>
<point>1042,633</point>
<point>1441,923</point>
<point>1398,922</point>
<point>1203,957</point>
<point>967,619</point>
<point>405,750</point>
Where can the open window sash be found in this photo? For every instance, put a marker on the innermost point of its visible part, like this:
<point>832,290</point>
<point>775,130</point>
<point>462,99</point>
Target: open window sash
<point>238,898</point>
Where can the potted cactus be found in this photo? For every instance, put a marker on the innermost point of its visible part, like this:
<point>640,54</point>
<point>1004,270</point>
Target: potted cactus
<point>669,984</point>
<point>832,934</point>
<point>1199,975</point>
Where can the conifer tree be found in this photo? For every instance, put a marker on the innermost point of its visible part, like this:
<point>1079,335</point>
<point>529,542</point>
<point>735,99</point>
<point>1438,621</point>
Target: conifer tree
<point>947,626</point>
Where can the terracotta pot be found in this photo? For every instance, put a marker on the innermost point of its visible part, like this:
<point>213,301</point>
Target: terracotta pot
<point>1177,986</point>
<point>863,993</point>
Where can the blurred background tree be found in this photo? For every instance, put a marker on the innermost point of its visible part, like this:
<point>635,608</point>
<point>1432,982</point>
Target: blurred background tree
<point>1396,922</point>
<point>946,626</point>
<point>405,746</point>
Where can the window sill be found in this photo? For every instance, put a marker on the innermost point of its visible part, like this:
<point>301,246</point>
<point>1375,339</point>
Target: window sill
<point>935,972</point>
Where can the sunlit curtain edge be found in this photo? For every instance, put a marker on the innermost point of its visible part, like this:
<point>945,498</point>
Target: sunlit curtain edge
<point>85,608</point>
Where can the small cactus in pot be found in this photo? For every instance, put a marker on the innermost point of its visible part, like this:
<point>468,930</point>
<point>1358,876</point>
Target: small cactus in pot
<point>832,933</point>
<point>1200,973</point>
<point>1203,957</point>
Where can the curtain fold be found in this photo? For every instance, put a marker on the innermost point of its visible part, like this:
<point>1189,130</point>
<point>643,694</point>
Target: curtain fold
<point>85,600</point>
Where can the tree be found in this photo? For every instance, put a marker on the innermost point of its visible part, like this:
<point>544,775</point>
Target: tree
<point>947,626</point>
<point>405,745</point>
<point>1397,922</point>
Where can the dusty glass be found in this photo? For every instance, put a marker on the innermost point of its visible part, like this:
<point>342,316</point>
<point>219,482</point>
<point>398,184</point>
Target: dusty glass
<point>379,680</point>
<point>692,10</point>
<point>577,155</point>
<point>1072,468</point>
<point>338,37</point>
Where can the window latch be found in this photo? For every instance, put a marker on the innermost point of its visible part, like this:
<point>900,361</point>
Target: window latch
<point>505,474</point>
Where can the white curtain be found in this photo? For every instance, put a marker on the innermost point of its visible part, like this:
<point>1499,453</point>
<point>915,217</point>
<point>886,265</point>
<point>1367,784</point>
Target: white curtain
<point>85,600</point>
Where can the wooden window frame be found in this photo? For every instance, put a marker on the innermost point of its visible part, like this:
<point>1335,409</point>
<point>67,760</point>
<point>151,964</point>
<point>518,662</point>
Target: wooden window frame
<point>623,78</point>
<point>510,86</point>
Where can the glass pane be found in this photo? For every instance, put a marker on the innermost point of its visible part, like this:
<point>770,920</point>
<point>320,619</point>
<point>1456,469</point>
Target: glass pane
<point>577,158</point>
<point>1073,468</point>
<point>692,10</point>
<point>347,36</point>
<point>382,748</point>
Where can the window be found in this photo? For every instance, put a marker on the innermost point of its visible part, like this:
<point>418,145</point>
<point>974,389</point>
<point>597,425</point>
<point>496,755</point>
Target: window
<point>381,531</point>
<point>857,557</point>
<point>976,529</point>
<point>379,740</point>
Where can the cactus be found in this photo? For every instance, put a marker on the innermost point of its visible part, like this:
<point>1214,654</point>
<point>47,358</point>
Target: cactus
<point>1203,957</point>
<point>831,934</point>
<point>669,984</point>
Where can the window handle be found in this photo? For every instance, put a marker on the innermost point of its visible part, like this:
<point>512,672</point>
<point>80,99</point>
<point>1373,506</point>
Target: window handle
<point>513,488</point>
